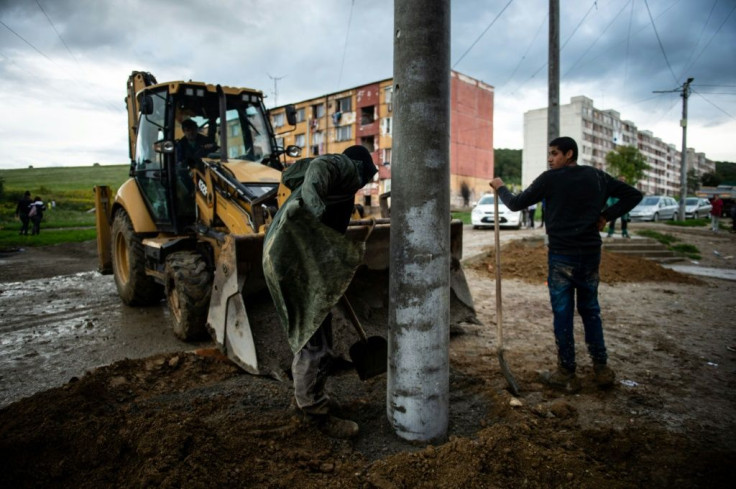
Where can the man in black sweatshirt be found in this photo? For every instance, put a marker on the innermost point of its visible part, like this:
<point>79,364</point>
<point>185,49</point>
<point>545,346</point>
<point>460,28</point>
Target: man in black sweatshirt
<point>575,213</point>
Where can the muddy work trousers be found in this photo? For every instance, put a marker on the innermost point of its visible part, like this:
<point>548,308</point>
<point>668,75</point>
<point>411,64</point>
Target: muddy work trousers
<point>570,275</point>
<point>310,369</point>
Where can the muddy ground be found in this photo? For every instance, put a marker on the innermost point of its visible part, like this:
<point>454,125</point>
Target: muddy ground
<point>77,413</point>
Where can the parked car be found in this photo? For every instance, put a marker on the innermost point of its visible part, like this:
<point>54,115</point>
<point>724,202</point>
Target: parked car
<point>655,208</point>
<point>696,207</point>
<point>482,214</point>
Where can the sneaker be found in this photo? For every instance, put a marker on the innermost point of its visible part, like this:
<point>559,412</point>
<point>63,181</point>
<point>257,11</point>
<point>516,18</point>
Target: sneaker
<point>561,379</point>
<point>603,375</point>
<point>334,427</point>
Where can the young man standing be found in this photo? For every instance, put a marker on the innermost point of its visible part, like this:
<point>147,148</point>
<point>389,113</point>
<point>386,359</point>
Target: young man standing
<point>574,197</point>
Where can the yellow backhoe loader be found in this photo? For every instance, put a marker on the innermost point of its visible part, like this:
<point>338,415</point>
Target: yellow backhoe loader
<point>192,231</point>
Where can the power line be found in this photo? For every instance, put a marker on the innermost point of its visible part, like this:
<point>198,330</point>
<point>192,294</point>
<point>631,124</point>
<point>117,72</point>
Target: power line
<point>482,33</point>
<point>523,57</point>
<point>725,19</point>
<point>345,45</point>
<point>25,41</point>
<point>659,40</point>
<point>700,37</point>
<point>590,46</point>
<point>714,105</point>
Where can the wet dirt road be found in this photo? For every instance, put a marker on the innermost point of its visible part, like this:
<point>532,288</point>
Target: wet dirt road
<point>59,317</point>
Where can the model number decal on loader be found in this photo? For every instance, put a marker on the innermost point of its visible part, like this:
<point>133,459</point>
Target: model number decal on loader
<point>202,187</point>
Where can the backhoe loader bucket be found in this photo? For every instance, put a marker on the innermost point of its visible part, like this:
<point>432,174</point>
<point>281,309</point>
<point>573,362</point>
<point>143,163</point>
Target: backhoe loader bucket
<point>243,321</point>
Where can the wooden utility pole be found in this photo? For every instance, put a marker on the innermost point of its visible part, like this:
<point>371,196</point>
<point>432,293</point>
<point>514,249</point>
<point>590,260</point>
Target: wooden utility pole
<point>418,378</point>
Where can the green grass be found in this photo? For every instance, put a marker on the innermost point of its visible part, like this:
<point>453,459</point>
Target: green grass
<point>670,241</point>
<point>69,187</point>
<point>12,240</point>
<point>690,223</point>
<point>464,216</point>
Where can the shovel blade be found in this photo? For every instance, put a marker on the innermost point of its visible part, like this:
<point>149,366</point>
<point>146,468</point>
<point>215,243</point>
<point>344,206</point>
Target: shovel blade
<point>370,357</point>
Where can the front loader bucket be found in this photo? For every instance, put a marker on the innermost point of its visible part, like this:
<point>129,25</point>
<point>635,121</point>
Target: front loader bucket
<point>242,318</point>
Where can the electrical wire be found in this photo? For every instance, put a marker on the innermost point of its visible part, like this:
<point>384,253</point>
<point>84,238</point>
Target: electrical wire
<point>345,45</point>
<point>700,37</point>
<point>661,47</point>
<point>482,33</point>
<point>523,56</point>
<point>590,46</point>
<point>26,41</point>
<point>725,19</point>
<point>714,105</point>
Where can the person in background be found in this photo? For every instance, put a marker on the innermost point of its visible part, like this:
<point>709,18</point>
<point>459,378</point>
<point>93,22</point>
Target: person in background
<point>574,196</point>
<point>21,212</point>
<point>715,213</point>
<point>624,219</point>
<point>531,210</point>
<point>35,213</point>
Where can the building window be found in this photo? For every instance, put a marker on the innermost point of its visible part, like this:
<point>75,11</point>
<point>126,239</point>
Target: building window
<point>343,133</point>
<point>300,140</point>
<point>278,120</point>
<point>367,115</point>
<point>344,104</point>
<point>300,115</point>
<point>386,125</point>
<point>389,94</point>
<point>368,143</point>
<point>280,142</point>
<point>318,111</point>
<point>386,156</point>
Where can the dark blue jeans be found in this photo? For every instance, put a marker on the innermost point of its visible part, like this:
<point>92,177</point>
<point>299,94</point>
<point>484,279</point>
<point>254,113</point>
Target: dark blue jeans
<point>568,275</point>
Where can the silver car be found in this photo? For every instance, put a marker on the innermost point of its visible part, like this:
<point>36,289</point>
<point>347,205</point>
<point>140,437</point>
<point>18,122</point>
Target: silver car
<point>696,207</point>
<point>655,208</point>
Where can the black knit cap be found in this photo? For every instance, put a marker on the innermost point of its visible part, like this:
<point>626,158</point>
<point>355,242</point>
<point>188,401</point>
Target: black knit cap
<point>360,153</point>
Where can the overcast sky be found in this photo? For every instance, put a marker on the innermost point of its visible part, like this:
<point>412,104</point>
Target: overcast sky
<point>64,63</point>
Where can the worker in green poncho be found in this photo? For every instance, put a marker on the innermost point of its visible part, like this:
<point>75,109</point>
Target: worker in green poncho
<point>308,264</point>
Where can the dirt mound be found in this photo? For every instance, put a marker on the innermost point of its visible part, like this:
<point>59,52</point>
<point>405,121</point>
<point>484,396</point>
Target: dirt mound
<point>195,420</point>
<point>526,260</point>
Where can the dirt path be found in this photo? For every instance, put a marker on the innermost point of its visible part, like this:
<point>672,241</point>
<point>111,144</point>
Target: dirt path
<point>183,420</point>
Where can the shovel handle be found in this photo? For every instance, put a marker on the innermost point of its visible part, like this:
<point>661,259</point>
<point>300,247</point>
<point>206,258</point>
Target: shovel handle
<point>353,318</point>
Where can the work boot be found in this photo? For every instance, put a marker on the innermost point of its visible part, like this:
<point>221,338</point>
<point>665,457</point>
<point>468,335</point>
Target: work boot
<point>561,379</point>
<point>333,426</point>
<point>603,375</point>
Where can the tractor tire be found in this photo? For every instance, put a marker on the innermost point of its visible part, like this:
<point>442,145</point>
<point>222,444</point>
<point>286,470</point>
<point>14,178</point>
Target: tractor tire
<point>135,288</point>
<point>188,290</point>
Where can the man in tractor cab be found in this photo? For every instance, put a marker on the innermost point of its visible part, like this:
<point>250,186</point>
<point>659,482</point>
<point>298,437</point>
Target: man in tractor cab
<point>308,264</point>
<point>189,150</point>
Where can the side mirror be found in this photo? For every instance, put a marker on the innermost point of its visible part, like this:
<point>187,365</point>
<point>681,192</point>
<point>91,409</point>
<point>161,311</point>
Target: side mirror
<point>293,151</point>
<point>291,114</point>
<point>146,105</point>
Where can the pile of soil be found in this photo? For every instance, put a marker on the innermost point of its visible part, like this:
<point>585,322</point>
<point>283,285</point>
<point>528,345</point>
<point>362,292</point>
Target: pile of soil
<point>195,420</point>
<point>526,259</point>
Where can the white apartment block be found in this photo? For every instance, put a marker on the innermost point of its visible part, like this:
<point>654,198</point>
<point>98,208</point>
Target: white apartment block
<point>597,133</point>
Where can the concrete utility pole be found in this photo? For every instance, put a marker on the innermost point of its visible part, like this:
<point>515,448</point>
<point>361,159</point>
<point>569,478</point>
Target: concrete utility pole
<point>683,159</point>
<point>417,401</point>
<point>553,93</point>
<point>683,170</point>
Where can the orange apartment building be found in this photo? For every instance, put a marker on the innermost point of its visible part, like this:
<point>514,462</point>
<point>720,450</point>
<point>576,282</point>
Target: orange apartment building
<point>363,115</point>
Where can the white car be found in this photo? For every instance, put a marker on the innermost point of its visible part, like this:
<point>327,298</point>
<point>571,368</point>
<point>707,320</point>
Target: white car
<point>655,208</point>
<point>696,207</point>
<point>482,214</point>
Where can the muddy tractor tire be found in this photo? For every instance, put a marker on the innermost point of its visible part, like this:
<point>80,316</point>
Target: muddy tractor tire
<point>135,288</point>
<point>188,290</point>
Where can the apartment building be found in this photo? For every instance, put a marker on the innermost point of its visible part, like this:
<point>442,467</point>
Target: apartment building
<point>598,132</point>
<point>364,115</point>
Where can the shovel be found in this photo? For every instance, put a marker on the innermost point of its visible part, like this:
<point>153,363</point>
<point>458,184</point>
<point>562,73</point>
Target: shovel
<point>510,380</point>
<point>369,355</point>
